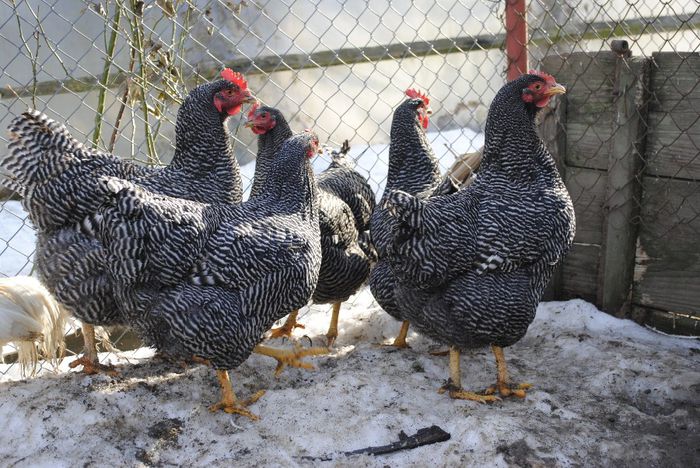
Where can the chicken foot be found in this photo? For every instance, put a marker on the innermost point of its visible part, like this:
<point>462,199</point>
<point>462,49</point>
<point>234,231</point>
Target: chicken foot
<point>89,360</point>
<point>287,357</point>
<point>503,385</point>
<point>289,325</point>
<point>332,333</point>
<point>454,384</point>
<point>229,403</point>
<point>400,340</point>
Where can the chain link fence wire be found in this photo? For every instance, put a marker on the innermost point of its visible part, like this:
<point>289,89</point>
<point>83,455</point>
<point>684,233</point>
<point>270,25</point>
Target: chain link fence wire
<point>115,72</point>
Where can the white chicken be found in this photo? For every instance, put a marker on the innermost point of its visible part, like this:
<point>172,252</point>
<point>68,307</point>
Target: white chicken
<point>32,319</point>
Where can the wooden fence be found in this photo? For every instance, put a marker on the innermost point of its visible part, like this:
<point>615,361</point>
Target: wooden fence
<point>627,141</point>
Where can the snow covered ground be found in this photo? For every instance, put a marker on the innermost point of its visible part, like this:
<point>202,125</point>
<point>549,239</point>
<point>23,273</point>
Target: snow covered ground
<point>607,392</point>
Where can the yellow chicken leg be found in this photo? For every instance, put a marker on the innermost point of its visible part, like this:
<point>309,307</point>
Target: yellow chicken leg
<point>287,357</point>
<point>454,384</point>
<point>400,340</point>
<point>289,325</point>
<point>332,333</point>
<point>503,385</point>
<point>89,360</point>
<point>229,403</point>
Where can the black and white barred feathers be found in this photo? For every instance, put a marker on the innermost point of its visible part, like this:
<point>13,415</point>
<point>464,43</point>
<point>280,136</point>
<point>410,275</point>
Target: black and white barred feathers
<point>58,179</point>
<point>209,279</point>
<point>414,169</point>
<point>471,266</point>
<point>270,138</point>
<point>346,203</point>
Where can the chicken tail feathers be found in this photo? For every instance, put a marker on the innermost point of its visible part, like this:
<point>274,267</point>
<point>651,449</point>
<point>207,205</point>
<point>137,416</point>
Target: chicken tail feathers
<point>39,148</point>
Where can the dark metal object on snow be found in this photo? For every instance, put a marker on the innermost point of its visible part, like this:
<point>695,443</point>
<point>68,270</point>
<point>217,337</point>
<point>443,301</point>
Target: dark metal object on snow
<point>425,436</point>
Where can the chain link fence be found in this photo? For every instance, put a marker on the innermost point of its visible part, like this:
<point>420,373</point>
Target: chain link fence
<point>115,72</point>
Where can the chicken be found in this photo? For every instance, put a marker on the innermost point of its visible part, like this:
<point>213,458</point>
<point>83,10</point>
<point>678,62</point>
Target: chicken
<point>272,130</point>
<point>471,266</point>
<point>31,318</point>
<point>414,169</point>
<point>207,280</point>
<point>58,178</point>
<point>346,203</point>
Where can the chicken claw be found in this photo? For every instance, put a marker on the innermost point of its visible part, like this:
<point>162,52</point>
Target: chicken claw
<point>503,385</point>
<point>229,403</point>
<point>89,360</point>
<point>506,390</point>
<point>457,393</point>
<point>91,367</point>
<point>287,329</point>
<point>400,340</point>
<point>287,357</point>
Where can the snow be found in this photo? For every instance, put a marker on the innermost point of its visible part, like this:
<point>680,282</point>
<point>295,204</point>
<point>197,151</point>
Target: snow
<point>606,392</point>
<point>17,239</point>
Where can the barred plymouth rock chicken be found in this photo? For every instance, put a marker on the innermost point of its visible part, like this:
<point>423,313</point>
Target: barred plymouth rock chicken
<point>207,280</point>
<point>471,267</point>
<point>272,130</point>
<point>58,179</point>
<point>414,169</point>
<point>346,203</point>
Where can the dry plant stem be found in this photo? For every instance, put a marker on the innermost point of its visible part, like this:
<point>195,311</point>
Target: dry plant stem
<point>137,37</point>
<point>104,80</point>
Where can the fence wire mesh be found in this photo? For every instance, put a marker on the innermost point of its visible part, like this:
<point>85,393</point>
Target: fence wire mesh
<point>115,72</point>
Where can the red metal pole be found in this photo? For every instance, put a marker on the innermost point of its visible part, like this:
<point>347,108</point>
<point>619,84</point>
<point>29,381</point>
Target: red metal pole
<point>516,38</point>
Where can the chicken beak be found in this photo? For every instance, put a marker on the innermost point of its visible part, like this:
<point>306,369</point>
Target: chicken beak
<point>249,98</point>
<point>555,89</point>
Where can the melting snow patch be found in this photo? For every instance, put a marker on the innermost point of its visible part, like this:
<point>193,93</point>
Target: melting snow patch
<point>606,392</point>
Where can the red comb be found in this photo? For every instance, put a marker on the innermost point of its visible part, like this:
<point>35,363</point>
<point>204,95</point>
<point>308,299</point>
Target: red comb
<point>415,94</point>
<point>545,76</point>
<point>234,78</point>
<point>253,108</point>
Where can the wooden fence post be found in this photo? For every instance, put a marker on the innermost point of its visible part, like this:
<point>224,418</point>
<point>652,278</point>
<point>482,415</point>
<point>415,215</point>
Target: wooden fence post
<point>623,191</point>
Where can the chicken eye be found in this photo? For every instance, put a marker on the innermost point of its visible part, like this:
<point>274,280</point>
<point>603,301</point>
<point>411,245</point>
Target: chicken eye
<point>538,86</point>
<point>265,114</point>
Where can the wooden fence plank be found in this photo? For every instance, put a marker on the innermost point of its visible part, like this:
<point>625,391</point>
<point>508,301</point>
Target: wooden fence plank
<point>673,144</point>
<point>587,190</point>
<point>580,272</point>
<point>622,200</point>
<point>675,82</point>
<point>667,273</point>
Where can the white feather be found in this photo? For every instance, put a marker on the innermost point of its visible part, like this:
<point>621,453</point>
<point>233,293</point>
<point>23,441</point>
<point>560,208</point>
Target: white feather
<point>32,319</point>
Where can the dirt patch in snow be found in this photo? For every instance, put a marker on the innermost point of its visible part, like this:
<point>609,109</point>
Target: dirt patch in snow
<point>606,393</point>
